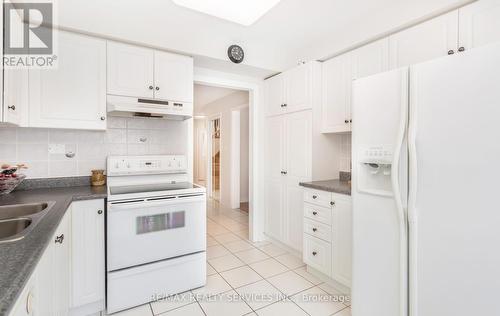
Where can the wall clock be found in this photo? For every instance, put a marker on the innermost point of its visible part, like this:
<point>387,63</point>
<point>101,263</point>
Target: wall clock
<point>235,54</point>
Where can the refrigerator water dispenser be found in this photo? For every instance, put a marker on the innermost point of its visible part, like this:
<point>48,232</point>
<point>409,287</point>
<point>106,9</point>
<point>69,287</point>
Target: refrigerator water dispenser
<point>375,169</point>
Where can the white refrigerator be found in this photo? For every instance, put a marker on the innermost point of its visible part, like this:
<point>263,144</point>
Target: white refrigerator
<point>426,188</point>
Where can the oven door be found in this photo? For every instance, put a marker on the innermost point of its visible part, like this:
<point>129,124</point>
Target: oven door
<point>145,231</point>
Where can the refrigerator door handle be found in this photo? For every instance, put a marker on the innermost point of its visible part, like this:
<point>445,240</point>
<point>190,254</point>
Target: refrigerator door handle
<point>396,186</point>
<point>412,196</point>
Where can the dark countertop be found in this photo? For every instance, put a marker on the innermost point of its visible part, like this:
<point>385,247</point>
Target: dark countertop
<point>18,259</point>
<point>336,186</point>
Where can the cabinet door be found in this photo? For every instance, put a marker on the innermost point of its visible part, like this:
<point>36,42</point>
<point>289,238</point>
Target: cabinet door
<point>479,24</point>
<point>45,283</point>
<point>275,95</point>
<point>173,77</point>
<point>74,94</point>
<point>61,267</point>
<point>298,88</point>
<point>371,59</point>
<point>275,147</point>
<point>87,255</point>
<point>298,146</point>
<point>130,70</point>
<point>294,215</point>
<point>336,99</point>
<point>274,197</point>
<point>426,41</point>
<point>15,97</point>
<point>342,240</point>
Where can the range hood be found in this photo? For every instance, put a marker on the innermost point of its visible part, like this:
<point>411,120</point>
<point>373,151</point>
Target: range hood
<point>140,107</point>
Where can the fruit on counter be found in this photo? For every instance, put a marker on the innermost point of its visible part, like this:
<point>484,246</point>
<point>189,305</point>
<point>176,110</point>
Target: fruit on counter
<point>10,170</point>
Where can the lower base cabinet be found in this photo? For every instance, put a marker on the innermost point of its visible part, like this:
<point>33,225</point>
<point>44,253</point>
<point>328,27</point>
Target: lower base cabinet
<point>69,278</point>
<point>328,234</point>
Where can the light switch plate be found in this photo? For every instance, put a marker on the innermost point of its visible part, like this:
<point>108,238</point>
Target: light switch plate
<point>57,149</point>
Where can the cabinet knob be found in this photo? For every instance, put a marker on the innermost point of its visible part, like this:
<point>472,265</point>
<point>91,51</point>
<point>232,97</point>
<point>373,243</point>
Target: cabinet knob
<point>451,52</point>
<point>315,213</point>
<point>315,229</point>
<point>284,105</point>
<point>285,172</point>
<point>103,118</point>
<point>314,253</point>
<point>59,239</point>
<point>150,87</point>
<point>29,303</point>
<point>315,197</point>
<point>461,49</point>
<point>332,203</point>
<point>346,121</point>
<point>350,121</point>
<point>12,107</point>
<point>99,212</point>
<point>157,88</point>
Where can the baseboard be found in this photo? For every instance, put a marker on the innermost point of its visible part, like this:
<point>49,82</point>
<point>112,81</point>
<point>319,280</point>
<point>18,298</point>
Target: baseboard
<point>325,278</point>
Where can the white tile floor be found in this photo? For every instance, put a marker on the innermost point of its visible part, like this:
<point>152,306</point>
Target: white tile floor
<point>245,278</point>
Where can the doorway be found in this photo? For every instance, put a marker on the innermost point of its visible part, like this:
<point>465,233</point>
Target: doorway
<point>215,158</point>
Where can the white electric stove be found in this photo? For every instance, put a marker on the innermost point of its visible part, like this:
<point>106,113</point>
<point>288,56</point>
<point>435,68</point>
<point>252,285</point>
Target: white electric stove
<point>156,230</point>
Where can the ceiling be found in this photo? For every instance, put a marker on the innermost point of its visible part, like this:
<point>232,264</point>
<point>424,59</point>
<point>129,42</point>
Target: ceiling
<point>204,95</point>
<point>292,31</point>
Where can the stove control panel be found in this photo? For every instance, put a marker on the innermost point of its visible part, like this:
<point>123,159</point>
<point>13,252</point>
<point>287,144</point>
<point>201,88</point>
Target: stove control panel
<point>135,165</point>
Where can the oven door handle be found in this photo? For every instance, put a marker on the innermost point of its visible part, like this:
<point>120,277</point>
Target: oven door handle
<point>123,206</point>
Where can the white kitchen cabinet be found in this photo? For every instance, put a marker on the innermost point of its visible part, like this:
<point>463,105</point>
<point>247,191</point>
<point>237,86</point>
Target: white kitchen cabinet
<point>87,257</point>
<point>145,73</point>
<point>275,94</point>
<point>60,267</point>
<point>15,90</point>
<point>328,234</point>
<point>428,40</point>
<point>370,59</point>
<point>288,156</point>
<point>336,94</point>
<point>342,239</point>
<point>291,91</point>
<point>130,70</point>
<point>479,24</point>
<point>298,87</point>
<point>15,96</point>
<point>46,292</point>
<point>26,304</point>
<point>274,200</point>
<point>173,76</point>
<point>74,94</point>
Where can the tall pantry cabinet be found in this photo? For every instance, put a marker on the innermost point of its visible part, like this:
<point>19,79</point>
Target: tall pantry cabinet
<point>288,151</point>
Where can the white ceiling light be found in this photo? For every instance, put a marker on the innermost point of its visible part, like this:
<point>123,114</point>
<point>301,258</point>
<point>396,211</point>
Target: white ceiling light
<point>244,12</point>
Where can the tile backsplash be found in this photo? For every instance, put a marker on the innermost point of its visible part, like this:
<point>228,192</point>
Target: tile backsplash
<point>345,153</point>
<point>124,136</point>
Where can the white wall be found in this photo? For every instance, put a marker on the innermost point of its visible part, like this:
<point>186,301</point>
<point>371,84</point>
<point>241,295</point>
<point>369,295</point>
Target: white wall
<point>244,154</point>
<point>224,107</point>
<point>31,146</point>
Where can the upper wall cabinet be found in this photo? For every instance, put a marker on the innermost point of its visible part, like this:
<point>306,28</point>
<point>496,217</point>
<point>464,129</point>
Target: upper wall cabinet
<point>173,77</point>
<point>130,70</point>
<point>432,39</point>
<point>291,91</point>
<point>337,77</point>
<point>145,73</point>
<point>336,90</point>
<point>479,24</point>
<point>74,94</point>
<point>370,59</point>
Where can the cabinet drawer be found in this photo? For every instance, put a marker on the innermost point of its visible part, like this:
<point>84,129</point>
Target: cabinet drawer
<point>318,213</point>
<point>317,197</point>
<point>317,254</point>
<point>317,229</point>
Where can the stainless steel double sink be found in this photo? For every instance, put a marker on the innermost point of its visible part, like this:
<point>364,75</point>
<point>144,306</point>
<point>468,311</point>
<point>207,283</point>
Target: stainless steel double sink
<point>18,220</point>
